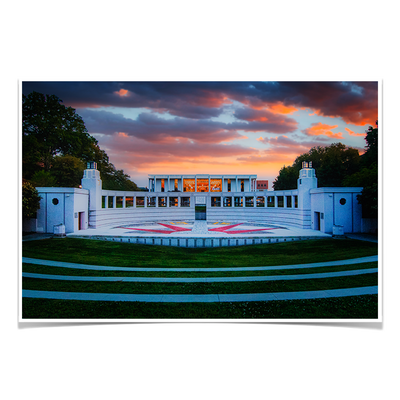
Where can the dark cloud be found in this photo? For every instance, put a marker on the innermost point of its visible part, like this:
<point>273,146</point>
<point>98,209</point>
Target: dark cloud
<point>263,120</point>
<point>177,149</point>
<point>355,102</point>
<point>152,128</point>
<point>183,99</point>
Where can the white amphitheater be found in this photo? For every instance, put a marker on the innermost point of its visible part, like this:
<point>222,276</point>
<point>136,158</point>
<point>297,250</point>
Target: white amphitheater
<point>199,211</point>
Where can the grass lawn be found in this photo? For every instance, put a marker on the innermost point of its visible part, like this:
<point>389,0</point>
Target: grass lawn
<point>133,255</point>
<point>200,287</point>
<point>336,308</point>
<point>44,269</point>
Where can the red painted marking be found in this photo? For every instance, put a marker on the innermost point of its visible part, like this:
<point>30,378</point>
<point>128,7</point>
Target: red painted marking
<point>250,230</point>
<point>224,228</point>
<point>175,228</point>
<point>151,230</point>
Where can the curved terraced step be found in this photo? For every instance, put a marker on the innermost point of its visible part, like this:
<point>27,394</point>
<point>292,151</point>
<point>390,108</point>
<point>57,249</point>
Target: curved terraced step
<point>201,280</point>
<point>63,264</point>
<point>201,298</point>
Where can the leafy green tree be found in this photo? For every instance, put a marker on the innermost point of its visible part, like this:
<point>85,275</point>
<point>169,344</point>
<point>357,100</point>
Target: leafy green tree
<point>369,200</point>
<point>50,129</point>
<point>56,144</point>
<point>112,178</point>
<point>367,177</point>
<point>287,179</point>
<point>30,200</point>
<point>362,178</point>
<point>331,163</point>
<point>370,156</point>
<point>43,179</point>
<point>68,170</point>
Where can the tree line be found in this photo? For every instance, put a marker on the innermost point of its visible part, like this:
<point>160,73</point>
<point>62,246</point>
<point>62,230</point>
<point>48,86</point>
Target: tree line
<point>56,146</point>
<point>338,165</point>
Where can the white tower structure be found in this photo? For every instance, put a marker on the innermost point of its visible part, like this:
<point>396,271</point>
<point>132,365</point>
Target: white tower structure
<point>307,181</point>
<point>92,182</point>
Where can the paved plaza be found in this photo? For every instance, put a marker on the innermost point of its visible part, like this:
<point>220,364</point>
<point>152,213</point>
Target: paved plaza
<point>211,233</point>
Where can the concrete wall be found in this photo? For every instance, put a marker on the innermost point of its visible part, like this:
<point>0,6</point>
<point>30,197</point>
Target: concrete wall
<point>336,206</point>
<point>283,213</point>
<point>61,206</point>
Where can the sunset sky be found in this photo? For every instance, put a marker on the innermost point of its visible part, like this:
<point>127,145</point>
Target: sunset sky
<point>216,127</point>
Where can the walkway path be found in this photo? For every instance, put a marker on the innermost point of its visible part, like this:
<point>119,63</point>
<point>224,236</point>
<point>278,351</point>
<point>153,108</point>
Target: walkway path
<point>197,298</point>
<point>200,227</point>
<point>138,269</point>
<point>201,280</point>
<point>201,298</point>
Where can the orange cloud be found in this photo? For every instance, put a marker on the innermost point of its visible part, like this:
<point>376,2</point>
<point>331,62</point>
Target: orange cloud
<point>280,108</point>
<point>122,134</point>
<point>351,133</point>
<point>319,128</point>
<point>122,92</point>
<point>209,98</point>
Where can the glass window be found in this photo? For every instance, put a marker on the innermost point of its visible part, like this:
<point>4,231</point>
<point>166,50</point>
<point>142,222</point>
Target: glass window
<point>229,185</point>
<point>271,201</point>
<point>185,201</point>
<point>110,202</point>
<point>103,201</point>
<point>202,185</point>
<point>249,201</point>
<point>162,202</point>
<point>189,185</point>
<point>139,201</point>
<point>227,201</point>
<point>151,201</point>
<point>238,201</point>
<point>242,185</point>
<point>176,185</point>
<point>280,201</point>
<point>296,204</point>
<point>128,202</point>
<point>215,201</point>
<point>119,202</point>
<point>173,202</point>
<point>289,201</point>
<point>163,185</point>
<point>216,185</point>
<point>260,201</point>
